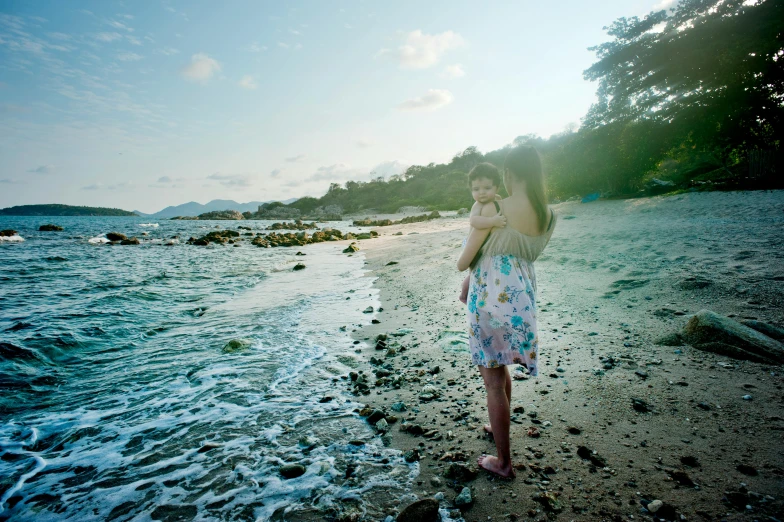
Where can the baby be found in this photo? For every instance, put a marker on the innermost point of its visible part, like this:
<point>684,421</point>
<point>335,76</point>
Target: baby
<point>484,180</point>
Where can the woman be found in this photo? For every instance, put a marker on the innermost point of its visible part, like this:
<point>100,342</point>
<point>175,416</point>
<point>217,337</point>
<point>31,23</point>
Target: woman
<point>501,298</point>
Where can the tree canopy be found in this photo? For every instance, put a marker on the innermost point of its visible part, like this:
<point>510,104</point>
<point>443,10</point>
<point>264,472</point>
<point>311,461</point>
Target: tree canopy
<point>689,95</point>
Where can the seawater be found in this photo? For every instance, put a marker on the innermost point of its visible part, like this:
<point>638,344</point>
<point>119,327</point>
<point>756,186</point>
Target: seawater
<point>117,399</point>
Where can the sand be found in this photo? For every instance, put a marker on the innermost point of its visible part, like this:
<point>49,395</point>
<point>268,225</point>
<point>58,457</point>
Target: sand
<point>617,276</point>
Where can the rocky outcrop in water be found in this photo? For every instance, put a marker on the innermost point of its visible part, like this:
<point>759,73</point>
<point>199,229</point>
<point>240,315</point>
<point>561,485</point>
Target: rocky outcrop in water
<point>301,239</point>
<point>224,215</point>
<point>7,233</point>
<point>217,236</point>
<point>116,236</point>
<point>388,222</point>
<point>50,228</point>
<point>296,225</point>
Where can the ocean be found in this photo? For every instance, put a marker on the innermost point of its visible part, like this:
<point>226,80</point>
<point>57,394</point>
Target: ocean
<point>119,402</point>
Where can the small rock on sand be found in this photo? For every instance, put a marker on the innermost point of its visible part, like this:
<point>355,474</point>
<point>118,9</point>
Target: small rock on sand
<point>425,510</point>
<point>290,471</point>
<point>464,500</point>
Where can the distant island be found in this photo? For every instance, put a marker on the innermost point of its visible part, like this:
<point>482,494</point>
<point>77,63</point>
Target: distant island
<point>62,210</point>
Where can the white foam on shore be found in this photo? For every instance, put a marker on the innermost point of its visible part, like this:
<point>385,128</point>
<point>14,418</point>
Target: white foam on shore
<point>98,240</point>
<point>152,225</point>
<point>16,238</point>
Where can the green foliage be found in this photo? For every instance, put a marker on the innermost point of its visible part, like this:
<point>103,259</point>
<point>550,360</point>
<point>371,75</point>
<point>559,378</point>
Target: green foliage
<point>687,96</point>
<point>62,210</point>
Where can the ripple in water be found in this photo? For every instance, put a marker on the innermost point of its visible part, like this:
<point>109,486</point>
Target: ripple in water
<point>119,403</point>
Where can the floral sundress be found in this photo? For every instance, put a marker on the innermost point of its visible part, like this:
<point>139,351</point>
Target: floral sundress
<point>502,313</point>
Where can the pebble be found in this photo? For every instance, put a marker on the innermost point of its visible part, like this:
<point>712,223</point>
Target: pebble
<point>655,505</point>
<point>464,498</point>
<point>747,397</point>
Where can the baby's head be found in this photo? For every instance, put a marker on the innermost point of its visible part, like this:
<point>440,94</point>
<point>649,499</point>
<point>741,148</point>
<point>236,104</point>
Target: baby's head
<point>484,180</point>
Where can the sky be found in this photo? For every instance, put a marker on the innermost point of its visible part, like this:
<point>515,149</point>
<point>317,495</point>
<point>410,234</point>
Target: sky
<point>148,103</point>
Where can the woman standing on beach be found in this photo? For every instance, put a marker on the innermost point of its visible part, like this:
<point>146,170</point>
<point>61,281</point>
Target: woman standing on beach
<point>502,292</point>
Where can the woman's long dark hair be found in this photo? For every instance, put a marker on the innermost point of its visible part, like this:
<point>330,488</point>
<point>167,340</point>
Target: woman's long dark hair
<point>525,164</point>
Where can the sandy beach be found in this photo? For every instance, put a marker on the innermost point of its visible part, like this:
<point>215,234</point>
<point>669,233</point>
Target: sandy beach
<point>616,277</point>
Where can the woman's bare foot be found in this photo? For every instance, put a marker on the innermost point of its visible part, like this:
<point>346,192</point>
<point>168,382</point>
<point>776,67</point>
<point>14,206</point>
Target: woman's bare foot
<point>493,465</point>
<point>488,429</point>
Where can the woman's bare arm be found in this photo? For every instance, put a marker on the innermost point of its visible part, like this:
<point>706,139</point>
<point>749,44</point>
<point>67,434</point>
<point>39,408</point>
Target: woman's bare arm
<point>475,240</point>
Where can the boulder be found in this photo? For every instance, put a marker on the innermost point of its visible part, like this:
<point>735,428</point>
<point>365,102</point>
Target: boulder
<point>425,510</point>
<point>116,236</point>
<point>7,233</point>
<point>710,331</point>
<point>50,228</point>
<point>771,331</point>
<point>299,266</point>
<point>132,241</point>
<point>290,471</point>
<point>351,249</point>
<point>236,345</point>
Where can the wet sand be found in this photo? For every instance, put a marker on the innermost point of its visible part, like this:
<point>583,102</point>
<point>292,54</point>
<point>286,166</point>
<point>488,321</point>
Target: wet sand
<point>616,277</point>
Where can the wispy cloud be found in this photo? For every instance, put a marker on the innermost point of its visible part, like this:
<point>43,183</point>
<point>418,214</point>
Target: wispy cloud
<point>129,57</point>
<point>101,186</point>
<point>275,173</point>
<point>255,48</point>
<point>296,159</point>
<point>201,68</point>
<point>363,144</point>
<point>421,50</point>
<point>283,45</point>
<point>119,25</point>
<point>108,37</point>
<point>247,82</point>
<point>454,71</point>
<point>43,169</point>
<point>168,51</point>
<point>295,32</point>
<point>432,100</point>
<point>231,180</point>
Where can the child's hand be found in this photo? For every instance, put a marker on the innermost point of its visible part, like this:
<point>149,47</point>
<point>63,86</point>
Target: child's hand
<point>499,221</point>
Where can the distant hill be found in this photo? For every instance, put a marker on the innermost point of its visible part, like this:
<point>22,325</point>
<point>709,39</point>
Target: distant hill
<point>195,209</point>
<point>62,210</point>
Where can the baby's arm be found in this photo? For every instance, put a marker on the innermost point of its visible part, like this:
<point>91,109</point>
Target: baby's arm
<point>480,222</point>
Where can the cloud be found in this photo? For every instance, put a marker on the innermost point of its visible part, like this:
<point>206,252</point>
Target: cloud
<point>231,180</point>
<point>454,71</point>
<point>275,173</point>
<point>9,181</point>
<point>133,40</point>
<point>247,82</point>
<point>255,48</point>
<point>663,4</point>
<point>421,50</point>
<point>129,57</point>
<point>108,37</point>
<point>43,169</point>
<point>432,100</point>
<point>337,173</point>
<point>363,144</point>
<point>59,36</point>
<point>283,45</point>
<point>101,186</point>
<point>119,25</point>
<point>389,168</point>
<point>164,179</point>
<point>201,68</point>
<point>168,51</point>
<point>296,159</point>
<point>295,32</point>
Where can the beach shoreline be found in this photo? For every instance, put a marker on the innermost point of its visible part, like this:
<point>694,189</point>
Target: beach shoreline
<point>617,276</point>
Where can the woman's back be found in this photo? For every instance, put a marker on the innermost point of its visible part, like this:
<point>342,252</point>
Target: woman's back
<point>521,216</point>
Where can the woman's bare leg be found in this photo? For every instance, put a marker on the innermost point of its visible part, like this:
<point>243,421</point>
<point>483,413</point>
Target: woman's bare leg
<point>498,409</point>
<point>508,389</point>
